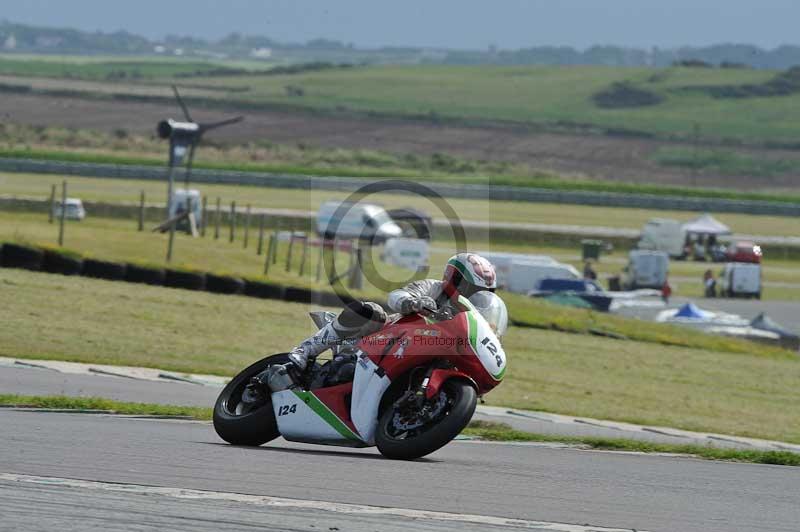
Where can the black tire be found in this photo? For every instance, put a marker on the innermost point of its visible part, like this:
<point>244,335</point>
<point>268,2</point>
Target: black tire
<point>27,258</point>
<point>100,269</point>
<point>145,275</point>
<point>463,399</point>
<point>252,428</point>
<point>55,262</point>
<point>184,279</point>
<point>221,284</point>
<point>263,290</point>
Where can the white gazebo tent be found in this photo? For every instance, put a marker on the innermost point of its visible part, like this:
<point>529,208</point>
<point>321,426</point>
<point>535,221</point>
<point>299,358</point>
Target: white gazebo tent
<point>706,225</point>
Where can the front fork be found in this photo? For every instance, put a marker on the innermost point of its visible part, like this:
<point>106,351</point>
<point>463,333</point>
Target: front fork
<point>435,376</point>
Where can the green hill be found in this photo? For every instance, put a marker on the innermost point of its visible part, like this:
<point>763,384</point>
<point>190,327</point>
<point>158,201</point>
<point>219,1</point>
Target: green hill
<point>685,101</point>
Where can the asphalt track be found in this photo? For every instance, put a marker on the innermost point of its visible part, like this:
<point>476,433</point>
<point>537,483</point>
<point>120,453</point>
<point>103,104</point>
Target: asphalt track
<point>23,380</point>
<point>786,313</point>
<point>525,482</point>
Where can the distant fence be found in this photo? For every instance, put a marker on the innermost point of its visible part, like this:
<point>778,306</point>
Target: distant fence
<point>283,219</point>
<point>349,184</point>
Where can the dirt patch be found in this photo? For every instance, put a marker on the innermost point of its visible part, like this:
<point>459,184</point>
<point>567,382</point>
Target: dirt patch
<point>593,156</point>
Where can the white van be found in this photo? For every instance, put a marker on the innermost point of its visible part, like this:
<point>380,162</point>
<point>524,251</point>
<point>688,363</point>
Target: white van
<point>526,276</point>
<point>645,269</point>
<point>740,279</point>
<point>503,262</point>
<point>74,211</point>
<point>356,220</point>
<point>663,234</point>
<point>520,273</point>
<point>183,198</point>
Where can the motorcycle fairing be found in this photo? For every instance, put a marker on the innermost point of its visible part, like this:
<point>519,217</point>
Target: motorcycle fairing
<point>484,342</point>
<point>323,415</point>
<point>369,385</point>
<point>304,416</point>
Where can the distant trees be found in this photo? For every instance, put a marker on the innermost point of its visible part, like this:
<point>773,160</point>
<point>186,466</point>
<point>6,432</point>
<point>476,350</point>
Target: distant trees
<point>724,55</point>
<point>24,38</point>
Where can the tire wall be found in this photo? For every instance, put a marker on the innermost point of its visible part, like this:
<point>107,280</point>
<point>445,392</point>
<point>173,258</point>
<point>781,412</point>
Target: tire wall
<point>53,261</point>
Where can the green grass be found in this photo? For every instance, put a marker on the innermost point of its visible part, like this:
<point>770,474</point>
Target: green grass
<point>61,402</point>
<point>551,97</point>
<point>483,430</point>
<point>749,394</point>
<point>540,95</point>
<point>125,190</point>
<point>371,164</point>
<point>501,432</point>
<point>118,240</point>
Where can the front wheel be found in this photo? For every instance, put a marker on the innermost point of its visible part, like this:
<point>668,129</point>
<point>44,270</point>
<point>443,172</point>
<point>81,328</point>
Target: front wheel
<point>246,424</point>
<point>406,432</point>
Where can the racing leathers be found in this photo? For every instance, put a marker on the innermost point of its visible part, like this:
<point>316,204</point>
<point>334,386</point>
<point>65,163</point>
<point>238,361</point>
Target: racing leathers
<point>360,319</point>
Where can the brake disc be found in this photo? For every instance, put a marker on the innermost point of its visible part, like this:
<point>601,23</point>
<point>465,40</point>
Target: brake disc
<point>428,412</point>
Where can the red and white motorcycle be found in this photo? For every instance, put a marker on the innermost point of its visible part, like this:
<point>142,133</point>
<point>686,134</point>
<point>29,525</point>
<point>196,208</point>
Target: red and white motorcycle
<point>409,389</point>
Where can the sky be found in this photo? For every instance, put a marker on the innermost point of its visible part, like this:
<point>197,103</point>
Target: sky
<point>457,24</point>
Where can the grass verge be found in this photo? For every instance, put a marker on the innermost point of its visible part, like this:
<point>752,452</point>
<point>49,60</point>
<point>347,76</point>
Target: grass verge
<point>61,402</point>
<point>489,431</point>
<point>116,240</point>
<point>108,190</point>
<point>751,394</point>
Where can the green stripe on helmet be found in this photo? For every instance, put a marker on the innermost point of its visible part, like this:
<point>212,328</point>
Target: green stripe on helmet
<point>463,269</point>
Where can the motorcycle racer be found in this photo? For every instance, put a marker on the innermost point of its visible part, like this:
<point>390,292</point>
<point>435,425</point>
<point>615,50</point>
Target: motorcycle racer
<point>465,274</point>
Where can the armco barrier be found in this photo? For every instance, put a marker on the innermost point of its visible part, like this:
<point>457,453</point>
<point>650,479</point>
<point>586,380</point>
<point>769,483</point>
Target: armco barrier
<point>447,190</point>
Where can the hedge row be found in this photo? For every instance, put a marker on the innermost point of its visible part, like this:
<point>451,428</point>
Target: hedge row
<point>66,263</point>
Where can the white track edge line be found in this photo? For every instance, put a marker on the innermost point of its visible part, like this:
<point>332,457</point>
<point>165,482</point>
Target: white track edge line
<point>325,506</point>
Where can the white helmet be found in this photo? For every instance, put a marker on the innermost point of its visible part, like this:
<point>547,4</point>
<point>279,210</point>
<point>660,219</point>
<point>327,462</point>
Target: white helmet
<point>493,310</point>
<point>467,273</point>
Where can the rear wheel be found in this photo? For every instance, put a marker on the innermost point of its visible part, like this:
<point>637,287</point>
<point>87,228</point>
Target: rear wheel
<point>407,432</point>
<point>239,423</point>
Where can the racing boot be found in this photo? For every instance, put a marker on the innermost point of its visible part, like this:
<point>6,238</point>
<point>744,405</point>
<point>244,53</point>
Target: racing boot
<point>323,339</point>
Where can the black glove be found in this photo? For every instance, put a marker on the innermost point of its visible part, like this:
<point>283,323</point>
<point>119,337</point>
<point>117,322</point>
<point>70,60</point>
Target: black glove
<point>423,305</point>
<point>443,314</point>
